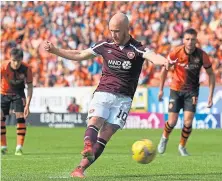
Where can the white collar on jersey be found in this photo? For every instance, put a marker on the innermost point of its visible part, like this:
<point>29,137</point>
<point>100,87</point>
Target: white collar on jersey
<point>121,47</point>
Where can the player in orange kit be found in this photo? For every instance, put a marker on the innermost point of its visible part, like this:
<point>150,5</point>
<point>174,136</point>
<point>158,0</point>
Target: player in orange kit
<point>14,75</point>
<point>188,60</point>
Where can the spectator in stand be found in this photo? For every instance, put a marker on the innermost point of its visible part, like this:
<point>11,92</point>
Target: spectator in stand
<point>73,107</point>
<point>48,110</point>
<point>75,25</point>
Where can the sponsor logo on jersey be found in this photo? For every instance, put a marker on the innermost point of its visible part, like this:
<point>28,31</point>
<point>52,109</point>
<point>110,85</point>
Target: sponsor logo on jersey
<point>116,64</point>
<point>197,60</point>
<point>189,66</point>
<point>126,65</point>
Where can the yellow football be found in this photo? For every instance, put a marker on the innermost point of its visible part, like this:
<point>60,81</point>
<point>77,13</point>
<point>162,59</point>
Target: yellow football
<point>143,151</point>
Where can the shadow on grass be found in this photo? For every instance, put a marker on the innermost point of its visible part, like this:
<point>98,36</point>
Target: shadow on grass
<point>39,154</point>
<point>169,176</point>
<point>51,153</point>
<point>141,177</point>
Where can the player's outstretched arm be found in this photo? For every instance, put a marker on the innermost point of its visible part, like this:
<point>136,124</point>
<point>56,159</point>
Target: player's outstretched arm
<point>76,55</point>
<point>157,59</point>
<point>211,86</point>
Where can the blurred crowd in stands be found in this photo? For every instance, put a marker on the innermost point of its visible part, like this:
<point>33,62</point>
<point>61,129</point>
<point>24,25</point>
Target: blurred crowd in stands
<point>78,25</point>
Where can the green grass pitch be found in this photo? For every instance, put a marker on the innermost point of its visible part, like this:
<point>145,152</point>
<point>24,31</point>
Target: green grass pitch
<point>51,154</point>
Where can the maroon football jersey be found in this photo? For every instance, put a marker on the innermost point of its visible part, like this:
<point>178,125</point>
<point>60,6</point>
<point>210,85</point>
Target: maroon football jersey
<point>121,66</point>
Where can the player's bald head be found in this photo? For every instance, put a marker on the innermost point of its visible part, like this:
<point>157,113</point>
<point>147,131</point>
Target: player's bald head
<point>119,20</point>
<point>119,28</point>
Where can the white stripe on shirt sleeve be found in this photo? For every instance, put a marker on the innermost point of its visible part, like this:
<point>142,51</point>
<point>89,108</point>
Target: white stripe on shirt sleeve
<point>147,50</point>
<point>92,51</point>
<point>92,48</point>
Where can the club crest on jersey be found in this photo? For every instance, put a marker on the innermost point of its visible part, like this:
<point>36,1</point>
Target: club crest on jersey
<point>170,105</point>
<point>130,55</point>
<point>91,110</point>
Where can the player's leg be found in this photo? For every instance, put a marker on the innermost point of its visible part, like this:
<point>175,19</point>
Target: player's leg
<point>3,134</point>
<point>116,120</point>
<point>118,113</point>
<point>115,111</point>
<point>186,131</point>
<point>11,117</point>
<point>99,110</point>
<point>175,104</point>
<point>169,125</point>
<point>18,104</point>
<point>106,132</point>
<point>104,136</point>
<point>90,137</point>
<point>97,114</point>
<point>168,128</point>
<point>5,105</point>
<point>190,101</point>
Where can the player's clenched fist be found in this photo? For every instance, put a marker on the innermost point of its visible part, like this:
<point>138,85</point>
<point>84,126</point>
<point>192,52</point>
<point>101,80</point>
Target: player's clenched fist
<point>49,47</point>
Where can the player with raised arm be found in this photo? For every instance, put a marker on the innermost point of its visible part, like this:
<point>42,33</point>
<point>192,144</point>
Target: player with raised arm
<point>188,60</point>
<point>14,75</point>
<point>123,59</point>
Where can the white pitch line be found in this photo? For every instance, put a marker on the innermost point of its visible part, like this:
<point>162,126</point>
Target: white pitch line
<point>60,177</point>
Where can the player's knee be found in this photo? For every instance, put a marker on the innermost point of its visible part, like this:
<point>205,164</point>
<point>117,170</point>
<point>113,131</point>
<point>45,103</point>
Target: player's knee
<point>20,120</point>
<point>96,121</point>
<point>3,126</point>
<point>108,130</point>
<point>187,126</point>
<point>19,115</point>
<point>3,119</point>
<point>172,118</point>
<point>171,124</point>
<point>2,115</point>
<point>114,128</point>
<point>188,123</point>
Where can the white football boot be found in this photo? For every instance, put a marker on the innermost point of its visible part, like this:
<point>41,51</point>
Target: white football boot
<point>162,145</point>
<point>182,150</point>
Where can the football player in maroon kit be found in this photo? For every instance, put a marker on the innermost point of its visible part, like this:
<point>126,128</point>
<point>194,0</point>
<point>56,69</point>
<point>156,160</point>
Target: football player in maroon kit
<point>123,59</point>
